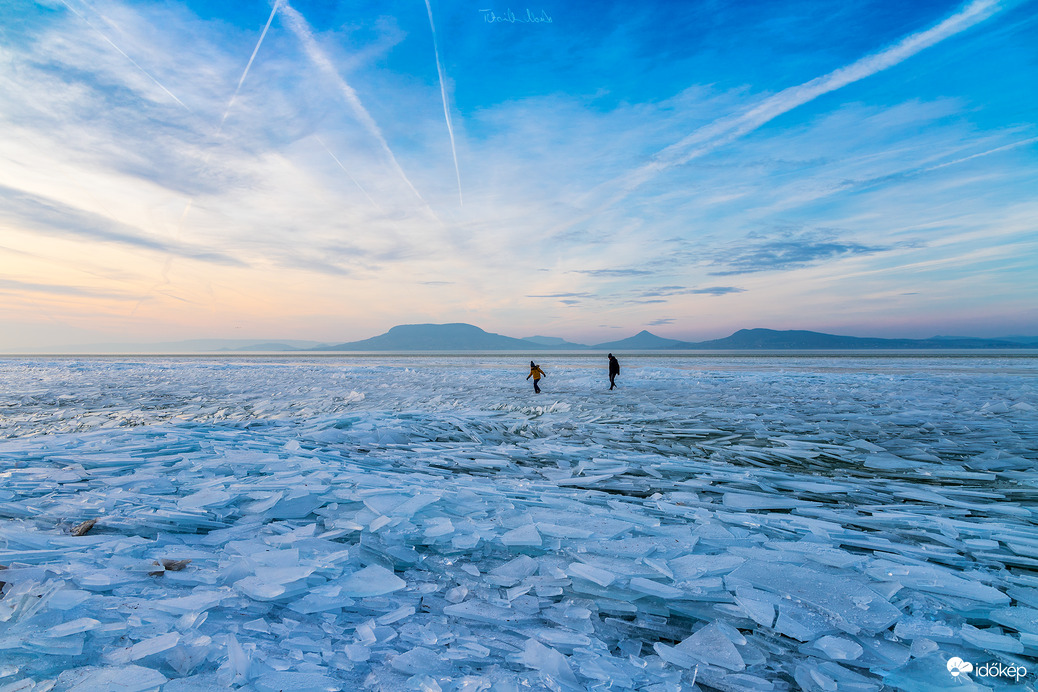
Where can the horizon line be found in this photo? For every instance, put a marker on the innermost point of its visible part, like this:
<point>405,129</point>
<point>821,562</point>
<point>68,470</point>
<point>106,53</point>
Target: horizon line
<point>313,346</point>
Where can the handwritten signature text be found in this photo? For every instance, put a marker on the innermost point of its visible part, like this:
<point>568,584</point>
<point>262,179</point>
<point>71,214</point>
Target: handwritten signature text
<point>509,17</point>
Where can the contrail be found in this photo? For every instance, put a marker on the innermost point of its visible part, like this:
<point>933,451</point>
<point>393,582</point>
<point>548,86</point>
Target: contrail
<point>227,111</point>
<point>273,11</point>
<point>1011,145</point>
<point>915,172</point>
<point>121,52</point>
<point>302,30</point>
<point>859,184</point>
<point>219,129</point>
<point>717,134</point>
<point>336,160</point>
<point>443,95</point>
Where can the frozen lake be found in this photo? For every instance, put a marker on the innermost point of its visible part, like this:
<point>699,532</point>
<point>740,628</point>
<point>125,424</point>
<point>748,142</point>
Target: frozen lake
<point>840,522</point>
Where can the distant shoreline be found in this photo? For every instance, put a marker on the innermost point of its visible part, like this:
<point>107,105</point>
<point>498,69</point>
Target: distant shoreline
<point>633,354</point>
<point>458,337</point>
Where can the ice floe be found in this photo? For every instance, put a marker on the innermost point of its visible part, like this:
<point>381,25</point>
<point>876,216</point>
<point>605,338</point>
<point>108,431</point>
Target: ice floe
<point>751,523</point>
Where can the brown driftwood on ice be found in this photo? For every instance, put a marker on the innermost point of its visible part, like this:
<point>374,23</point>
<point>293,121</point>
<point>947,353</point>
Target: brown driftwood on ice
<point>82,529</point>
<point>168,566</point>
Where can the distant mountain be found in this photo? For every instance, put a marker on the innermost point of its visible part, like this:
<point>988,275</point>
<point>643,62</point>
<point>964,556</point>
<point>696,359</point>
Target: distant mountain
<point>1031,341</point>
<point>554,342</point>
<point>269,346</point>
<point>437,337</point>
<point>187,346</point>
<point>644,340</point>
<point>466,337</point>
<point>1027,341</point>
<point>771,339</point>
<point>798,339</point>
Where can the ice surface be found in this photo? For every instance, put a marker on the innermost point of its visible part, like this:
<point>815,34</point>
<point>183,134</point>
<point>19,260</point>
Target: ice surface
<point>298,682</point>
<point>591,573</point>
<point>847,602</point>
<point>751,523</point>
<point>711,645</point>
<point>122,678</point>
<point>838,648</point>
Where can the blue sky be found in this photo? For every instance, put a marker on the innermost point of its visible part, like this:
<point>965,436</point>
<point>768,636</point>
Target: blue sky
<point>326,170</point>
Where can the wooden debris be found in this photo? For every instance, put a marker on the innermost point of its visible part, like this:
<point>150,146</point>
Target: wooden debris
<point>175,565</point>
<point>168,566</point>
<point>82,529</point>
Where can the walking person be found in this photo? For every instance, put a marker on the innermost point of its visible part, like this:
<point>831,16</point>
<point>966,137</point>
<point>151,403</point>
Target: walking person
<point>614,370</point>
<point>536,373</point>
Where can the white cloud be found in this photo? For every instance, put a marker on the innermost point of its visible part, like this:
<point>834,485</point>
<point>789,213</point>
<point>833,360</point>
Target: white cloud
<point>285,184</point>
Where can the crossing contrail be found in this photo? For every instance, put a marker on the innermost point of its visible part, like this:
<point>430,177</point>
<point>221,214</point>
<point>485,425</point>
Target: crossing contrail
<point>727,130</point>
<point>227,112</point>
<point>1005,147</point>
<point>245,73</point>
<point>123,53</point>
<point>337,161</point>
<point>443,96</point>
<point>209,154</point>
<point>299,26</point>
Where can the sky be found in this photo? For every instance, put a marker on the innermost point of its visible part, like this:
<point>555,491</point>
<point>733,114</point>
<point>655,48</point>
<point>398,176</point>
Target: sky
<point>325,170</point>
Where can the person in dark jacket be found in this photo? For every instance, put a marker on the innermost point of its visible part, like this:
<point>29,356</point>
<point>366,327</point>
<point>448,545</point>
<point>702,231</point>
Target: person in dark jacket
<point>614,370</point>
<point>536,373</point>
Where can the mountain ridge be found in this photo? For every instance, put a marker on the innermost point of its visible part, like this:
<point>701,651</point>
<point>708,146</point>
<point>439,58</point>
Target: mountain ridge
<point>801,339</point>
<point>643,340</point>
<point>466,337</point>
<point>459,336</point>
<point>454,336</point>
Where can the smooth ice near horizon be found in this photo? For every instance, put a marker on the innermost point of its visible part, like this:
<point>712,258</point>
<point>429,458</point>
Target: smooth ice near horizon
<point>385,523</point>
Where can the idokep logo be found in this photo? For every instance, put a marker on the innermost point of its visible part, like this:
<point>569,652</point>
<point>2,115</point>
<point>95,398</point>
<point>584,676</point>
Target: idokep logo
<point>956,666</point>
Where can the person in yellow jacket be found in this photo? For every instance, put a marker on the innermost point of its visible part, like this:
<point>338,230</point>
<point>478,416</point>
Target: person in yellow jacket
<point>536,373</point>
